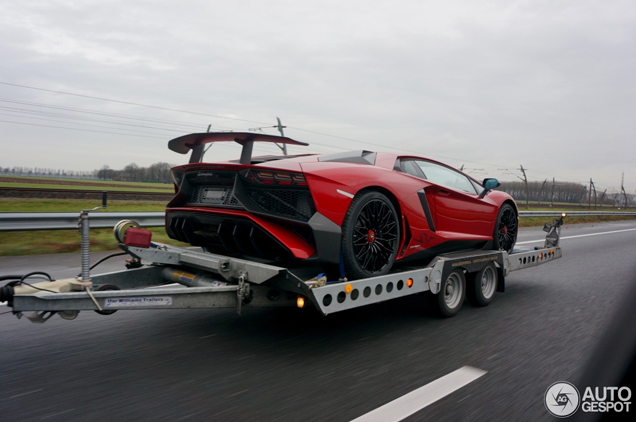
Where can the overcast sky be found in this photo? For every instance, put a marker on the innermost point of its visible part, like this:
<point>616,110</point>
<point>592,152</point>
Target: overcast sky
<point>491,85</point>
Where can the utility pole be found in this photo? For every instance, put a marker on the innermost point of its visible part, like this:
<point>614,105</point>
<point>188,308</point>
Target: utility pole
<point>525,180</point>
<point>589,201</point>
<point>623,189</point>
<point>280,128</point>
<point>552,194</point>
<point>541,191</point>
<point>209,146</point>
<point>602,198</point>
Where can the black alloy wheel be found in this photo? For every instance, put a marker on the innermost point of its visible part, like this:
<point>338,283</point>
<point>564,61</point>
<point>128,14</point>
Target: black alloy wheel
<point>370,236</point>
<point>506,227</point>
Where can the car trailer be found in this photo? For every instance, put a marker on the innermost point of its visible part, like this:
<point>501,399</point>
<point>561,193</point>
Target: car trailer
<point>167,277</point>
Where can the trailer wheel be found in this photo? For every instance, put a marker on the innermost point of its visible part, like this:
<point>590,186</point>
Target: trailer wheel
<point>449,300</point>
<point>102,288</point>
<point>482,285</point>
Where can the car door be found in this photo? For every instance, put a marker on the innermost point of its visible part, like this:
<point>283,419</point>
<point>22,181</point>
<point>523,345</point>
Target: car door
<point>458,207</point>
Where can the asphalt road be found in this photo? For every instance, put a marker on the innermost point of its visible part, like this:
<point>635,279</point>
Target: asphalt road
<point>294,365</point>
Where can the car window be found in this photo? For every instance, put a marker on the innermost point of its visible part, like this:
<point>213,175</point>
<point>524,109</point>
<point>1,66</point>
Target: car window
<point>446,176</point>
<point>411,168</point>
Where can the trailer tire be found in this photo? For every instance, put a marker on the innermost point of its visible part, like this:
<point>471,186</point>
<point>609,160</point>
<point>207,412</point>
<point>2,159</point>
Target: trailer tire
<point>448,302</point>
<point>102,288</point>
<point>482,285</point>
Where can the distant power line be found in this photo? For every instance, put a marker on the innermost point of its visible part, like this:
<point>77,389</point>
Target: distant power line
<point>130,103</point>
<point>175,123</point>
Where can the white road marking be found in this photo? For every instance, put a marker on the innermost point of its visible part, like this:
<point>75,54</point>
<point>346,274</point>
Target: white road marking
<point>56,414</point>
<point>416,400</point>
<point>578,235</point>
<point>24,394</point>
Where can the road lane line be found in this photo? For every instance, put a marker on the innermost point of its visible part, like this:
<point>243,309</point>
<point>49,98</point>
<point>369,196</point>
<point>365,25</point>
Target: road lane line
<point>578,235</point>
<point>24,394</point>
<point>416,400</point>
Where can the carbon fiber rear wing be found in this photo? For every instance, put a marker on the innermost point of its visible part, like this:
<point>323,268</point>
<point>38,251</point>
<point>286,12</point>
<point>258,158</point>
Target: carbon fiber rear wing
<point>195,141</point>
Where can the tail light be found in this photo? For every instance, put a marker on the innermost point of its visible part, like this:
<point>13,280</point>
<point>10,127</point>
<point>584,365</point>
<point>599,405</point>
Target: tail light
<point>279,178</point>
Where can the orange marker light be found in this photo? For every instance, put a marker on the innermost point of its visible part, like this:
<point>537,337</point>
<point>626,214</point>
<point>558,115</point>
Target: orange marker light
<point>300,302</point>
<point>409,282</point>
<point>348,288</point>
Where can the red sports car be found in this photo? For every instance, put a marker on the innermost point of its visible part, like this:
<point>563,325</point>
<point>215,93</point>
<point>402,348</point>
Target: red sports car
<point>360,211</point>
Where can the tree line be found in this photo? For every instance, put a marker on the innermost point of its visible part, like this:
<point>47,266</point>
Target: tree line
<point>157,172</point>
<point>46,172</point>
<point>548,192</point>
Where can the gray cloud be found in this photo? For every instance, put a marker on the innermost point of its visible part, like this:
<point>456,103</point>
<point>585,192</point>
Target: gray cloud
<point>488,84</point>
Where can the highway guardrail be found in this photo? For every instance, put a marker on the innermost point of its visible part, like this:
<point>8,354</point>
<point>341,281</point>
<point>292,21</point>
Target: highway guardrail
<point>18,221</point>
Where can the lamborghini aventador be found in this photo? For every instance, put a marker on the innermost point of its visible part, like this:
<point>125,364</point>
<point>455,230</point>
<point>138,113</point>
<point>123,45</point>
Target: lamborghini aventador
<point>359,212</point>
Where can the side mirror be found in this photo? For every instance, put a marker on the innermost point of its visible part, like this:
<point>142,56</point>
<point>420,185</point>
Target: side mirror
<point>489,184</point>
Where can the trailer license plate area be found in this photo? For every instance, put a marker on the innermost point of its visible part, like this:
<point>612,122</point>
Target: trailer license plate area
<point>138,302</point>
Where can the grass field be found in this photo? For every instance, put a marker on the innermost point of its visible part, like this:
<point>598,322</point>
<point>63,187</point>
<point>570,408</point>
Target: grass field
<point>58,241</point>
<point>95,188</point>
<point>76,205</point>
<point>81,184</point>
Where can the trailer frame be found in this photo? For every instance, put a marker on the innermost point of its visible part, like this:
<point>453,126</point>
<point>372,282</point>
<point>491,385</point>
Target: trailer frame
<point>169,277</point>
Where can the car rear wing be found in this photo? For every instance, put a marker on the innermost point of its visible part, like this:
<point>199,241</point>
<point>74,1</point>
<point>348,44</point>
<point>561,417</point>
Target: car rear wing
<point>195,141</point>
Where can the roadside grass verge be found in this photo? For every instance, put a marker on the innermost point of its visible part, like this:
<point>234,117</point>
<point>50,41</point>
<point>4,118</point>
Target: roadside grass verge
<point>76,205</point>
<point>62,241</point>
<point>83,182</point>
<point>164,188</point>
<point>540,221</point>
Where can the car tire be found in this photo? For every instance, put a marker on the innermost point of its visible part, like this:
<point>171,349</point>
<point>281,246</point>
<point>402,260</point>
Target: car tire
<point>482,285</point>
<point>505,232</point>
<point>449,300</point>
<point>370,236</point>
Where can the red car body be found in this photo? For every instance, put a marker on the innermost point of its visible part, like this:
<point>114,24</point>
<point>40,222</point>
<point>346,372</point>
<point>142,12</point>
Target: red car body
<point>294,207</point>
